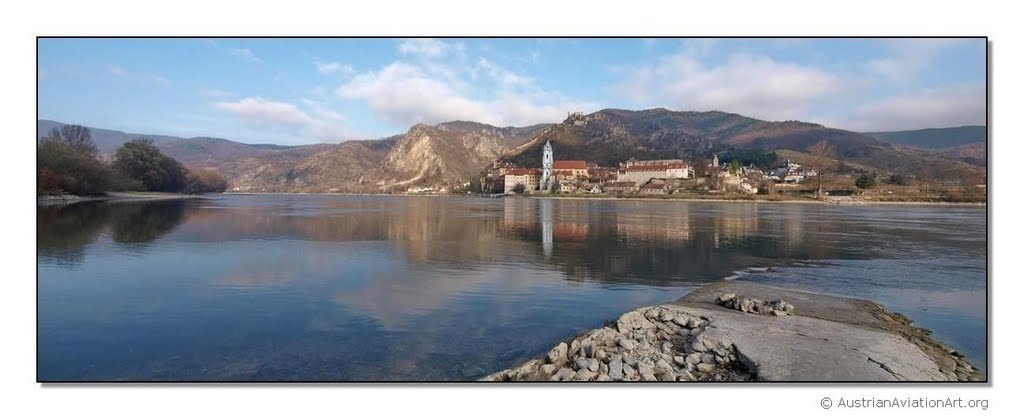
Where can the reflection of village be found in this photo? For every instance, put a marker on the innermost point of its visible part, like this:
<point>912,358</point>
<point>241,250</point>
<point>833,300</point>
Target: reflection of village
<point>639,177</point>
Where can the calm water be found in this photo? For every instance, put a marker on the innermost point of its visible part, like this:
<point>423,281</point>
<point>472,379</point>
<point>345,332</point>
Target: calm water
<point>428,288</point>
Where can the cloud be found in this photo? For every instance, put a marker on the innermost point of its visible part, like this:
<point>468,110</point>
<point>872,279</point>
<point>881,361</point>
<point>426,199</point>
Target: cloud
<point>405,94</point>
<point>753,85</point>
<point>424,47</point>
<point>159,80</point>
<point>907,58</point>
<point>260,110</point>
<point>323,124</point>
<point>333,67</point>
<point>118,71</point>
<point>957,105</point>
<point>245,53</point>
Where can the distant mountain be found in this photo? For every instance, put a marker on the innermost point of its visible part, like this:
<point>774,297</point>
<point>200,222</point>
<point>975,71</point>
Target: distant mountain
<point>610,136</point>
<point>198,151</point>
<point>934,138</point>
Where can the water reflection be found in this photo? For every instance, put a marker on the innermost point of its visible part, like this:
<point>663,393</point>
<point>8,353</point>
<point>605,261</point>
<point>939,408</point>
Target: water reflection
<point>326,287</point>
<point>64,232</point>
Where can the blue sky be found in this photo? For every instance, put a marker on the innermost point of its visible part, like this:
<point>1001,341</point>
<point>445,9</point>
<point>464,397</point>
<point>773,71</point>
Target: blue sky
<point>296,91</point>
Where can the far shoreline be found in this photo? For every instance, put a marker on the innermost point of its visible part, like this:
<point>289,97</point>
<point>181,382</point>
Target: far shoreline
<point>640,198</point>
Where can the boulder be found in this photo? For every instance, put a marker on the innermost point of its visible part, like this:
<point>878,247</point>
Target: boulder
<point>548,369</point>
<point>633,321</point>
<point>705,367</point>
<point>615,369</point>
<point>559,354</point>
<point>666,376</point>
<point>564,374</point>
<point>584,375</point>
<point>574,348</point>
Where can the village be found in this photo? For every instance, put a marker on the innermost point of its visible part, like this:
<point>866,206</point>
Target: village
<point>642,177</point>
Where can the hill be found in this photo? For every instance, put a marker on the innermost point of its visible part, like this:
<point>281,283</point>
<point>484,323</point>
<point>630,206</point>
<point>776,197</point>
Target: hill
<point>197,151</point>
<point>610,136</point>
<point>934,138</point>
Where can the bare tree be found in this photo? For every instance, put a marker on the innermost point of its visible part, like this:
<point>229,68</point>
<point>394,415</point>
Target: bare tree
<point>822,159</point>
<point>77,137</point>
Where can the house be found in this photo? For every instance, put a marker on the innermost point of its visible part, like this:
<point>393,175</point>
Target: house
<point>644,173</point>
<point>620,187</point>
<point>635,162</point>
<point>748,187</point>
<point>529,178</point>
<point>601,174</point>
<point>575,167</point>
<point>593,188</point>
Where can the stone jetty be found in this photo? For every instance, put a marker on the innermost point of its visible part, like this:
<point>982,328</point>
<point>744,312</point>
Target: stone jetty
<point>741,331</point>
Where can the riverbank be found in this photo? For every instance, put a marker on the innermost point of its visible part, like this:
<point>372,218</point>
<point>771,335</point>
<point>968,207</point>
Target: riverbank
<point>111,196</point>
<point>741,331</point>
<point>830,201</point>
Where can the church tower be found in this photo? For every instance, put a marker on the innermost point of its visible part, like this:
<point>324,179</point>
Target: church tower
<point>545,177</point>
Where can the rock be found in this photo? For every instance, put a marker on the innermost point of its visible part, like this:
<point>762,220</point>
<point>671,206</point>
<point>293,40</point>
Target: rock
<point>633,321</point>
<point>627,344</point>
<point>686,376</point>
<point>603,377</point>
<point>559,354</point>
<point>548,369</point>
<point>628,372</point>
<point>601,354</point>
<point>699,346</point>
<point>564,374</point>
<point>602,368</point>
<point>662,365</point>
<point>615,369</point>
<point>652,314</point>
<point>584,375</point>
<point>666,347</point>
<point>526,370</point>
<point>693,358</point>
<point>574,348</point>
<point>707,359</point>
<point>694,323</point>
<point>646,372</point>
<point>724,298</point>
<point>666,315</point>
<point>582,364</point>
<point>679,360</point>
<point>705,367</point>
<point>498,376</point>
<point>666,376</point>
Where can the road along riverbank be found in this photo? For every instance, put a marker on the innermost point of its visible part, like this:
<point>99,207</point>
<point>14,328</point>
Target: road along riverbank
<point>742,331</point>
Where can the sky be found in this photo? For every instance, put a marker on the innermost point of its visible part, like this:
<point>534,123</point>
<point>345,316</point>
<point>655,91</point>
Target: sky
<point>300,91</point>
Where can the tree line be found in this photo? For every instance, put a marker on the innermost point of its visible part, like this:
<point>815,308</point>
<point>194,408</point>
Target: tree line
<point>68,162</point>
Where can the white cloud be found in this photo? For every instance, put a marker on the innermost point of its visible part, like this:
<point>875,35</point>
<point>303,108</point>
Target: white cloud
<point>260,110</point>
<point>752,85</point>
<point>159,80</point>
<point>245,53</point>
<point>324,124</point>
<point>425,47</point>
<point>333,67</point>
<point>406,94</point>
<point>951,106</point>
<point>118,71</point>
